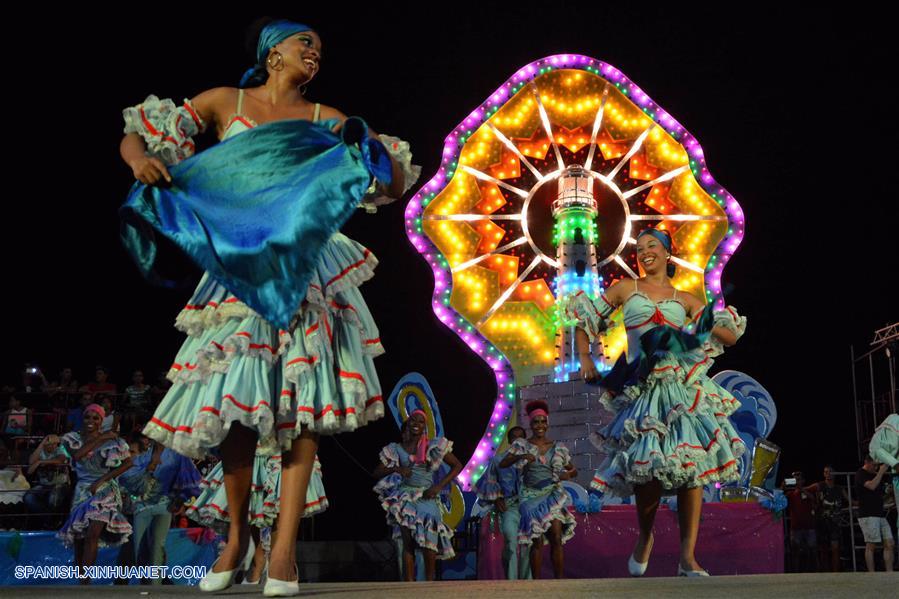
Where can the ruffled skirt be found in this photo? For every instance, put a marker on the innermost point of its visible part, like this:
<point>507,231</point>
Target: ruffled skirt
<point>105,506</point>
<point>539,508</point>
<point>236,367</point>
<point>423,518</point>
<point>210,508</point>
<point>672,427</point>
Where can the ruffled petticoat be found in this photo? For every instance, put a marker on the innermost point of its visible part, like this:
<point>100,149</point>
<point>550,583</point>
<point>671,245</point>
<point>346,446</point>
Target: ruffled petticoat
<point>103,506</point>
<point>235,366</point>
<point>672,427</point>
<point>423,518</point>
<point>210,508</point>
<point>538,510</point>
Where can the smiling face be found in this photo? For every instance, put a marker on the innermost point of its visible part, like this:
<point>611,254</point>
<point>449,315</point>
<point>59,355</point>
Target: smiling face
<point>828,474</point>
<point>301,53</point>
<point>651,254</point>
<point>539,424</point>
<point>417,425</point>
<point>92,422</point>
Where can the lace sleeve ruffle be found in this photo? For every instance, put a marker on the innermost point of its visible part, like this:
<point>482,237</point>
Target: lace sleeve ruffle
<point>488,487</point>
<point>114,452</point>
<point>167,129</point>
<point>587,314</point>
<point>401,153</point>
<point>437,450</point>
<point>729,319</point>
<point>390,457</point>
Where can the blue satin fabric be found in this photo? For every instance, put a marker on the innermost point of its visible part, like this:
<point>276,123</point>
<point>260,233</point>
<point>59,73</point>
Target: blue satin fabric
<point>256,209</point>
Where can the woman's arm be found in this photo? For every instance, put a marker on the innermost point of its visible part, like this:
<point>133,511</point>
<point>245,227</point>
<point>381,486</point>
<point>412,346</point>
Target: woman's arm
<point>89,446</point>
<point>455,468</point>
<point>150,170</point>
<point>122,469</point>
<point>512,459</point>
<point>724,335</point>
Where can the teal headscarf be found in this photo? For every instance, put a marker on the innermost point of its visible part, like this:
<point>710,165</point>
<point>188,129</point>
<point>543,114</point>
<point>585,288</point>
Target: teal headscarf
<point>271,35</point>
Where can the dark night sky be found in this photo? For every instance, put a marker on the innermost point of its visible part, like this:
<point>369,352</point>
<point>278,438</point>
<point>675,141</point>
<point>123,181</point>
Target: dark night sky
<point>763,92</point>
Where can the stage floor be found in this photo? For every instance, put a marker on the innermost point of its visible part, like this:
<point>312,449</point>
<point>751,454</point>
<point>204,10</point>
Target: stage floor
<point>854,585</point>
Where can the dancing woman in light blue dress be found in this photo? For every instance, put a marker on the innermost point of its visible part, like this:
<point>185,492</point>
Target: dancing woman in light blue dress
<point>543,506</point>
<point>280,343</point>
<point>671,431</point>
<point>96,518</point>
<point>410,496</point>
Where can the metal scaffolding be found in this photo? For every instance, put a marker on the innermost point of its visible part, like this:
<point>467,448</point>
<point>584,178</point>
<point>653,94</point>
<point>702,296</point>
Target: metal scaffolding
<point>881,374</point>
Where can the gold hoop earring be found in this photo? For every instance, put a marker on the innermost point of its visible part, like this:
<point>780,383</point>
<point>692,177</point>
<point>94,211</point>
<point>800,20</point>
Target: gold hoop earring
<point>275,66</point>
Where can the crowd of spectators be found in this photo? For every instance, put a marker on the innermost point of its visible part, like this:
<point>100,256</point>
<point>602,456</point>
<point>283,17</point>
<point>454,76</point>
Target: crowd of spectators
<point>822,514</point>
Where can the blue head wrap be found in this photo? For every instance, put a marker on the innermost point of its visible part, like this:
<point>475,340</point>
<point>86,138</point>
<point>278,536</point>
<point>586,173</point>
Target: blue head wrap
<point>665,240</point>
<point>271,35</point>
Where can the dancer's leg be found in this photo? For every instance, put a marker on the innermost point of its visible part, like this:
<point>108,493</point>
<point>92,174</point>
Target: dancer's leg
<point>536,556</point>
<point>647,496</point>
<point>689,508</point>
<point>237,451</point>
<point>408,556</point>
<point>430,559</point>
<point>296,469</point>
<point>555,546</point>
<point>91,541</point>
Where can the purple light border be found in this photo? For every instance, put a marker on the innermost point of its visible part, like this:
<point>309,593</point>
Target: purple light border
<point>505,403</point>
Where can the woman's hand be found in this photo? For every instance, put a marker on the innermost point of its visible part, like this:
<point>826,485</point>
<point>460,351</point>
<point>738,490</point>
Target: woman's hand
<point>588,368</point>
<point>404,471</point>
<point>95,486</point>
<point>501,505</point>
<point>432,492</point>
<point>149,170</point>
<point>529,457</point>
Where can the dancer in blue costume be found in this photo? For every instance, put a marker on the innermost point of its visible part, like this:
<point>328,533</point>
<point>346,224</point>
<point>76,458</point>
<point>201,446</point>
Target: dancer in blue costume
<point>280,342</point>
<point>96,517</point>
<point>159,482</point>
<point>670,431</point>
<point>502,488</point>
<point>410,496</point>
<point>543,507</point>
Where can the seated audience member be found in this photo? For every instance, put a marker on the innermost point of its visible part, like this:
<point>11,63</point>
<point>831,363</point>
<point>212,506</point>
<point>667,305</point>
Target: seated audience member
<point>48,467</point>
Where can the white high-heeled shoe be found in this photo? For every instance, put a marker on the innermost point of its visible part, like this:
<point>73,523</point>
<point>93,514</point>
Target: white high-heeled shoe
<point>214,582</point>
<point>217,581</point>
<point>282,588</point>
<point>636,568</point>
<point>691,573</point>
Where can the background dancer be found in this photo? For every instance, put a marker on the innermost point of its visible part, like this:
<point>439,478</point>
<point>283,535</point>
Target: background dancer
<point>502,487</point>
<point>410,496</point>
<point>95,519</point>
<point>544,503</point>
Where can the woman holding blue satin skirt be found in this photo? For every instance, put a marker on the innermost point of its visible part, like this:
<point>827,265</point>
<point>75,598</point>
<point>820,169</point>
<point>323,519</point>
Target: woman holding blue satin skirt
<point>279,341</point>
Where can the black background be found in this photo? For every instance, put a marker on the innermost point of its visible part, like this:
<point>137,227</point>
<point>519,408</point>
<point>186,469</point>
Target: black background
<point>785,119</point>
